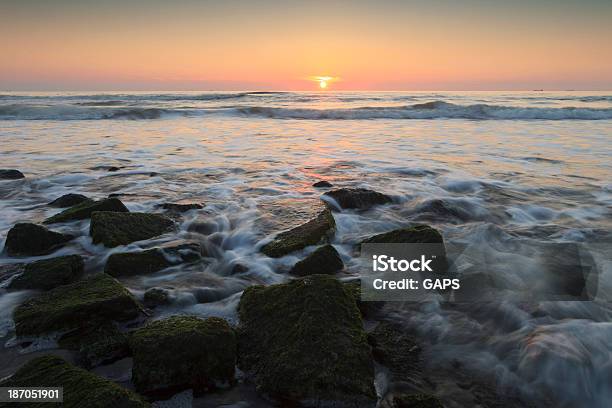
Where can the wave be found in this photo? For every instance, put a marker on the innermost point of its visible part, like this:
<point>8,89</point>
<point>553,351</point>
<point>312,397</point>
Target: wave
<point>427,110</point>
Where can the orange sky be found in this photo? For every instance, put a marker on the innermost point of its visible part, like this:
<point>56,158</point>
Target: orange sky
<point>384,45</point>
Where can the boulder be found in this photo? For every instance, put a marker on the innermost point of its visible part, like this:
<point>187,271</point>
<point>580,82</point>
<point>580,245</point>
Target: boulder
<point>182,352</point>
<point>156,297</point>
<point>96,343</point>
<point>366,308</point>
<point>49,273</point>
<point>325,260</point>
<point>322,183</point>
<point>310,233</point>
<point>10,174</point>
<point>403,400</point>
<point>68,200</point>
<point>85,209</point>
<point>26,239</point>
<point>420,234</point>
<point>180,207</point>
<point>121,228</point>
<point>441,210</point>
<point>357,198</point>
<point>99,297</point>
<point>152,260</point>
<point>81,388</point>
<point>303,342</point>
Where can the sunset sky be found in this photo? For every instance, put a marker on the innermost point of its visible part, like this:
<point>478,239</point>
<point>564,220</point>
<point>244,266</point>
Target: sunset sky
<point>283,45</point>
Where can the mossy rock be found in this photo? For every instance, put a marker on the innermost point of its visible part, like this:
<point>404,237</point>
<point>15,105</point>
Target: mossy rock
<point>181,207</point>
<point>49,273</point>
<point>303,342</point>
<point>96,343</point>
<point>26,239</point>
<point>152,260</point>
<point>80,388</point>
<point>420,234</point>
<point>68,200</point>
<point>366,308</point>
<point>99,297</point>
<point>357,198</point>
<point>325,260</point>
<point>310,233</point>
<point>182,352</point>
<point>85,209</point>
<point>156,297</point>
<point>416,401</point>
<point>121,228</point>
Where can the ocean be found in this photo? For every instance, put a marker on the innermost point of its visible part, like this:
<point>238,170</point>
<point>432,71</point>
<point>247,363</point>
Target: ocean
<point>498,173</point>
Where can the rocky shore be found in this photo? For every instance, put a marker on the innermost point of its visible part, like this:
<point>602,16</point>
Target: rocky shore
<point>307,342</point>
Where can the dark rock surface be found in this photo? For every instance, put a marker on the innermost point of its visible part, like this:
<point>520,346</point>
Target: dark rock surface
<point>49,273</point>
<point>10,174</point>
<point>181,207</point>
<point>26,239</point>
<point>303,342</point>
<point>182,352</point>
<point>156,297</point>
<point>414,235</point>
<point>121,228</point>
<point>310,233</point>
<point>325,260</point>
<point>357,198</point>
<point>68,200</point>
<point>322,184</point>
<point>99,297</point>
<point>85,209</point>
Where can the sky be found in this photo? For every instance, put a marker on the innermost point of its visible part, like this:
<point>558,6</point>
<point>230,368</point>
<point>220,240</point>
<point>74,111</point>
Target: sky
<point>283,45</point>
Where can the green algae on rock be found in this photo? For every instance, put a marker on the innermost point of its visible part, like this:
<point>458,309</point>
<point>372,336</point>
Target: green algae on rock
<point>182,352</point>
<point>310,233</point>
<point>325,260</point>
<point>99,297</point>
<point>80,387</point>
<point>85,209</point>
<point>49,273</point>
<point>366,308</point>
<point>154,297</point>
<point>420,234</point>
<point>303,342</point>
<point>121,228</point>
<point>68,200</point>
<point>27,239</point>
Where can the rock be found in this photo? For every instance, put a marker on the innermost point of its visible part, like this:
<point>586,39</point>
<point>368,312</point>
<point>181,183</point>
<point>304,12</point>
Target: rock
<point>180,208</point>
<point>310,233</point>
<point>322,183</point>
<point>113,168</point>
<point>26,239</point>
<point>414,401</point>
<point>440,210</point>
<point>152,260</point>
<point>10,174</point>
<point>81,388</point>
<point>49,273</point>
<point>182,352</point>
<point>68,200</point>
<point>156,297</point>
<point>325,260</point>
<point>302,342</point>
<point>99,297</point>
<point>366,308</point>
<point>96,343</point>
<point>420,234</point>
<point>357,198</point>
<point>121,228</point>
<point>86,208</point>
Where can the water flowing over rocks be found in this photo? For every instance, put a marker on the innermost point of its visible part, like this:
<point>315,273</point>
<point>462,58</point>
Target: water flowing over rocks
<point>356,198</point>
<point>27,239</point>
<point>303,342</point>
<point>121,228</point>
<point>181,207</point>
<point>86,208</point>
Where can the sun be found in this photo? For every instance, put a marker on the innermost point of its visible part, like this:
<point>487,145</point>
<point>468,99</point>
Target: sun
<point>324,81</point>
<point>322,84</point>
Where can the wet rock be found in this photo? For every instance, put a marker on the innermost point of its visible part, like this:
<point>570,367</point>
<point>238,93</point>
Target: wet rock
<point>420,234</point>
<point>438,210</point>
<point>181,208</point>
<point>113,169</point>
<point>310,233</point>
<point>99,297</point>
<point>68,200</point>
<point>96,343</point>
<point>156,297</point>
<point>325,260</point>
<point>303,342</point>
<point>121,228</point>
<point>412,401</point>
<point>152,260</point>
<point>26,239</point>
<point>80,387</point>
<point>10,174</point>
<point>357,198</point>
<point>366,308</point>
<point>322,183</point>
<point>86,208</point>
<point>182,352</point>
<point>49,273</point>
